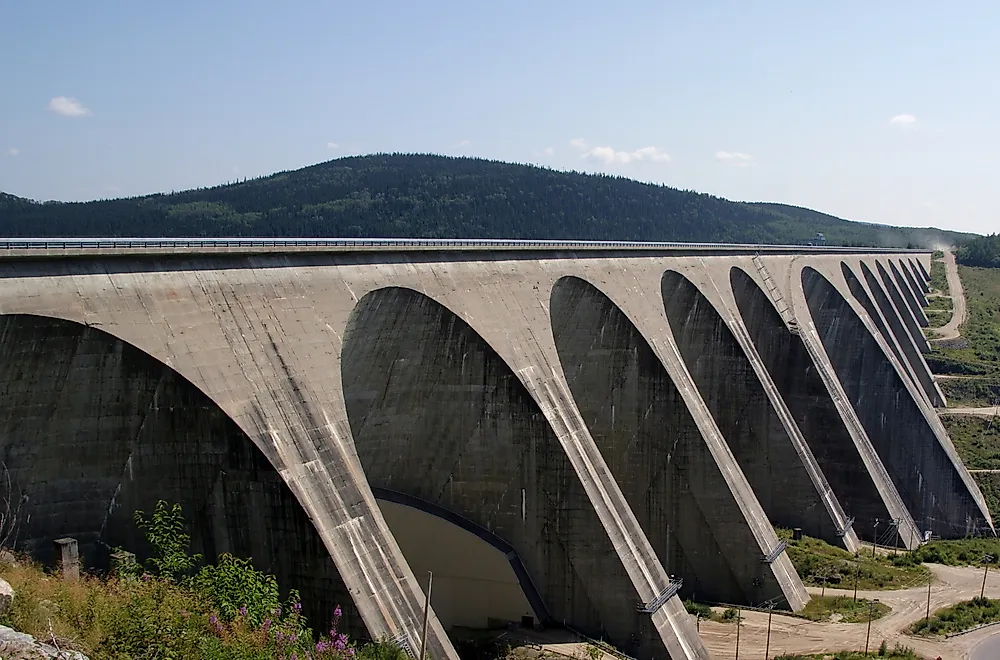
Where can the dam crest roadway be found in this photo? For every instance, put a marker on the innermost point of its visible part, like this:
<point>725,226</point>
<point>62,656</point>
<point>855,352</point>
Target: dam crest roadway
<point>567,433</point>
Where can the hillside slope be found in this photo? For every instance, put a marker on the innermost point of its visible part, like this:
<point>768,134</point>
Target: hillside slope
<point>425,196</point>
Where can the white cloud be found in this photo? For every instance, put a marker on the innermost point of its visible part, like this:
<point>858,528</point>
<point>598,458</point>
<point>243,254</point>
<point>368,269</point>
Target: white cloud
<point>68,107</point>
<point>904,121</point>
<point>13,151</point>
<point>611,156</point>
<point>332,145</point>
<point>465,143</point>
<point>734,158</point>
<point>548,151</point>
<point>114,190</point>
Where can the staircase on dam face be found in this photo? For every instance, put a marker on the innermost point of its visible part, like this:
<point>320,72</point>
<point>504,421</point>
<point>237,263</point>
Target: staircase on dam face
<point>784,309</point>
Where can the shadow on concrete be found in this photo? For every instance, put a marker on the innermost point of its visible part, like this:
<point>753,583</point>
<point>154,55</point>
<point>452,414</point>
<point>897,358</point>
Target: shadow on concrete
<point>647,437</point>
<point>804,392</point>
<point>925,473</point>
<point>92,428</point>
<point>437,415</point>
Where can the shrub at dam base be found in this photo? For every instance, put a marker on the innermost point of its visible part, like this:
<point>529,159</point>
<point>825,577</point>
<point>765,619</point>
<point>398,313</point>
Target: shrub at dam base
<point>168,609</point>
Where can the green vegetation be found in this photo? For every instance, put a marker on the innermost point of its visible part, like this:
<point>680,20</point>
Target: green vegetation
<point>898,653</point>
<point>976,392</point>
<point>983,251</point>
<point>938,310</point>
<point>849,610</point>
<point>959,552</point>
<point>820,564</point>
<point>989,484</point>
<point>704,611</point>
<point>168,609</point>
<point>426,196</point>
<point>959,617</point>
<point>977,440</point>
<point>939,275</point>
<point>977,353</point>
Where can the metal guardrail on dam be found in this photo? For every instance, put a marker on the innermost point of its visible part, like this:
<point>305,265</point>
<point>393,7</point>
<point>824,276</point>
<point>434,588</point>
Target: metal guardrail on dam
<point>391,244</point>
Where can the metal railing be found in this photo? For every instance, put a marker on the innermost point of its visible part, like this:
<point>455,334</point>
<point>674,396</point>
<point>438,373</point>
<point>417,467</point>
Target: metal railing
<point>390,243</point>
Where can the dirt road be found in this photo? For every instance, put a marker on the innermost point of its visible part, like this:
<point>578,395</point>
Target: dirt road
<point>989,411</point>
<point>959,313</point>
<point>792,635</point>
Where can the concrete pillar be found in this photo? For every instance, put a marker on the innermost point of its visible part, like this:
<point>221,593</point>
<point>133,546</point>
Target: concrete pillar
<point>665,468</point>
<point>909,295</point>
<point>890,325</point>
<point>436,414</point>
<point>907,274</point>
<point>68,558</point>
<point>770,451</point>
<point>918,276</point>
<point>800,380</point>
<point>904,310</point>
<point>915,451</point>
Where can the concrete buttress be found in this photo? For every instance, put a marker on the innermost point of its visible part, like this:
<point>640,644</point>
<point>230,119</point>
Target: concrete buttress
<point>565,409</point>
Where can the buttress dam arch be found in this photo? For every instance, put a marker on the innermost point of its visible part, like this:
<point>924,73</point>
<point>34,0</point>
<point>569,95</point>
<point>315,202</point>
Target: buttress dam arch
<point>93,428</point>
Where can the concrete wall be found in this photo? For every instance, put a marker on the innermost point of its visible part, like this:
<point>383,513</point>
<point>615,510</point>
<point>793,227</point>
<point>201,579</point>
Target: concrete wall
<point>570,418</point>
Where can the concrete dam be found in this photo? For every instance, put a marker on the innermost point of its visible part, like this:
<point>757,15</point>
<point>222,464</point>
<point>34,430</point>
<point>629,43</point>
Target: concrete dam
<point>566,433</point>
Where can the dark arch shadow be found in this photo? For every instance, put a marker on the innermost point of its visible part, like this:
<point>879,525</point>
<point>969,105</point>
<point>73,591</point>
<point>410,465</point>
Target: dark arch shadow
<point>923,271</point>
<point>736,398</point>
<point>903,309</point>
<point>922,469</point>
<point>896,334</point>
<point>791,367</point>
<point>437,415</point>
<point>918,276</point>
<point>93,428</point>
<point>859,293</point>
<point>915,287</point>
<point>652,446</point>
<point>909,295</point>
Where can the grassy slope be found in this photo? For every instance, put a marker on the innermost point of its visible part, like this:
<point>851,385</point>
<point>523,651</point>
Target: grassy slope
<point>819,563</point>
<point>978,352</point>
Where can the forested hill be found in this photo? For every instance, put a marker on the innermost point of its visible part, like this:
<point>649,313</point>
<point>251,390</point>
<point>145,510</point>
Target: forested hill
<point>424,196</point>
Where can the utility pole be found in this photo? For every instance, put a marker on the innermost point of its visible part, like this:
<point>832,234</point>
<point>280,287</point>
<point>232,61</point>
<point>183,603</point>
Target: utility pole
<point>928,617</point>
<point>874,538</point>
<point>767,646</point>
<point>427,611</point>
<point>739,613</point>
<point>871,611</point>
<point>857,573</point>
<point>986,560</point>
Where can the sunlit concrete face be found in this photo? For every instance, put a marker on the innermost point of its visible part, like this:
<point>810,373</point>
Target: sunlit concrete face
<point>808,399</point>
<point>92,429</point>
<point>435,414</point>
<point>922,466</point>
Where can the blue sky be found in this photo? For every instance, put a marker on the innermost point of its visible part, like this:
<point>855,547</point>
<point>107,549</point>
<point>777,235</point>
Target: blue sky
<point>876,111</point>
